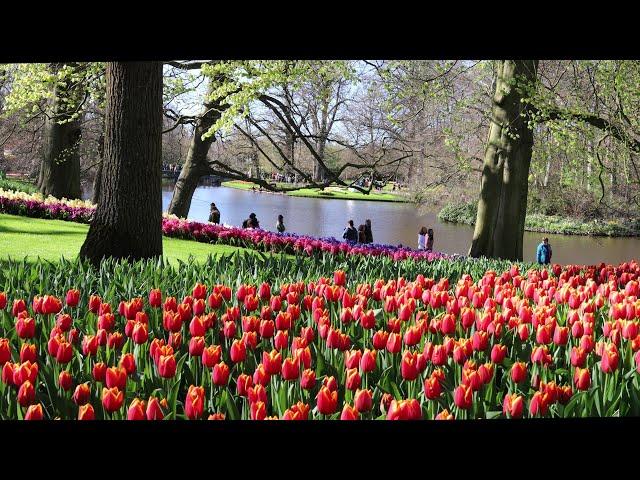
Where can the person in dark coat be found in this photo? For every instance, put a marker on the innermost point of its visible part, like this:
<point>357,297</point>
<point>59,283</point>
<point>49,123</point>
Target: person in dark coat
<point>543,253</point>
<point>367,231</point>
<point>214,214</point>
<point>362,234</point>
<point>350,233</point>
<point>280,225</point>
<point>430,239</point>
<point>251,222</point>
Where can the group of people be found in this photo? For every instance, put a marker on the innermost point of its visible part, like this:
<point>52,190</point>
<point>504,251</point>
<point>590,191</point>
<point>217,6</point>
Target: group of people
<point>362,235</point>
<point>251,222</point>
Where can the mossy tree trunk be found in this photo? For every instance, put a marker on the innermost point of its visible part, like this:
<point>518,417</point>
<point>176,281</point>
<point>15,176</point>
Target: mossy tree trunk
<point>128,219</point>
<point>499,228</point>
<point>60,169</point>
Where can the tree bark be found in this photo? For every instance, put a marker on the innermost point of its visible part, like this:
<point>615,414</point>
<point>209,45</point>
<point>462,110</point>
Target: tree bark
<point>499,228</point>
<point>128,220</point>
<point>96,180</point>
<point>195,165</point>
<point>60,169</point>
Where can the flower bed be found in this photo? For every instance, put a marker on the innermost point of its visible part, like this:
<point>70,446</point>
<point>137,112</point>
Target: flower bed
<point>35,205</point>
<point>198,343</point>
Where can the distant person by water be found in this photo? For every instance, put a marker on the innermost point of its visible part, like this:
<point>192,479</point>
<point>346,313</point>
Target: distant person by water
<point>430,239</point>
<point>214,214</point>
<point>422,238</point>
<point>251,222</point>
<point>362,235</point>
<point>367,231</point>
<point>280,225</point>
<point>544,252</point>
<point>350,233</point>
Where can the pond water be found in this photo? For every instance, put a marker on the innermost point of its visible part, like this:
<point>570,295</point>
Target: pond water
<point>392,223</point>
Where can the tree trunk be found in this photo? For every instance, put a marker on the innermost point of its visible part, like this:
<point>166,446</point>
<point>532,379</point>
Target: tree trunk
<point>128,220</point>
<point>195,165</point>
<point>96,180</point>
<point>60,169</point>
<point>499,229</point>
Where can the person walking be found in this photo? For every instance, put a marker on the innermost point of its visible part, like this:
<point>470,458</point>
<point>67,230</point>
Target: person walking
<point>214,214</point>
<point>280,225</point>
<point>544,252</point>
<point>350,233</point>
<point>430,239</point>
<point>367,231</point>
<point>422,238</point>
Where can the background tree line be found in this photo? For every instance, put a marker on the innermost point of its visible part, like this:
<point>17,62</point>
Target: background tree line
<point>557,137</point>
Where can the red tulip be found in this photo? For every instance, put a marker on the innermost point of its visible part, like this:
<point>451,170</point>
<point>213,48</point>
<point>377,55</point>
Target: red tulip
<point>539,404</point>
<point>299,411</point>
<point>196,346</point>
<point>444,415</point>
<point>155,298</point>
<point>211,355</point>
<point>404,410</point>
<point>432,388</point>
<point>498,352</point>
<point>65,380</point>
<point>327,401</point>
<point>220,374</point>
<point>339,278</point>
<point>128,362</point>
<point>72,298</point>
<point>137,410</point>
<point>199,291</point>
<point>353,379</point>
<point>167,366</point>
<point>463,396</point>
<point>518,372</point>
<point>3,300</point>
<point>25,371</point>
<point>8,373</point>
<point>513,405</point>
<point>86,412</point>
<point>140,333</point>
<point>258,411</point>
<point>5,351</point>
<point>116,377</point>
<point>582,378</point>
<point>194,404</point>
<point>610,358</point>
<point>257,393</point>
<point>308,379</point>
<point>154,411</point>
<point>290,369</point>
<point>27,353</point>
<point>349,413</point>
<point>26,394</point>
<point>81,394</point>
<point>99,372</point>
<point>272,362</point>
<point>112,399</point>
<point>34,412</point>
<point>408,365</point>
<point>363,400</point>
<point>25,327</point>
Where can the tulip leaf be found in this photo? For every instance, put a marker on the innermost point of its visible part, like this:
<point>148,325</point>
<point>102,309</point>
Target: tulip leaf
<point>493,414</point>
<point>232,408</point>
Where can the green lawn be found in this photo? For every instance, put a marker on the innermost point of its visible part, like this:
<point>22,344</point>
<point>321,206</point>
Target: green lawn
<point>50,239</point>
<point>339,193</point>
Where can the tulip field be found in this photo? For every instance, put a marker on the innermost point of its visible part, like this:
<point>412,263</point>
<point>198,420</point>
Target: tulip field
<point>274,338</point>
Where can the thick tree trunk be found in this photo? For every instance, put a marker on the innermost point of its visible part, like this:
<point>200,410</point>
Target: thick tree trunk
<point>195,165</point>
<point>502,205</point>
<point>60,169</point>
<point>128,220</point>
<point>96,180</point>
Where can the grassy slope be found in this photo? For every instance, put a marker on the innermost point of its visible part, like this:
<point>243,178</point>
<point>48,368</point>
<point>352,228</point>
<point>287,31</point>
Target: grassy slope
<point>51,239</point>
<point>332,194</point>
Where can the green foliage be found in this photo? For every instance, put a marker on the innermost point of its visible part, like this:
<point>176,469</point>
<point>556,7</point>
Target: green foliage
<point>535,222</point>
<point>16,185</point>
<point>238,84</point>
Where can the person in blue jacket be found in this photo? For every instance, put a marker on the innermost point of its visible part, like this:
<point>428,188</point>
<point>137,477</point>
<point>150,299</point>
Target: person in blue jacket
<point>543,254</point>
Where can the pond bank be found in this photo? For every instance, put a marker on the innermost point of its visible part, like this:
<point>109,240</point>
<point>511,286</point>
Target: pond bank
<point>337,193</point>
<point>466,214</point>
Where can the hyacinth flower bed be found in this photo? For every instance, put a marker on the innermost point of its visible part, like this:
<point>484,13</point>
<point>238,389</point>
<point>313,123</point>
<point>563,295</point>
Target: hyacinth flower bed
<point>268,339</point>
<point>34,205</point>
